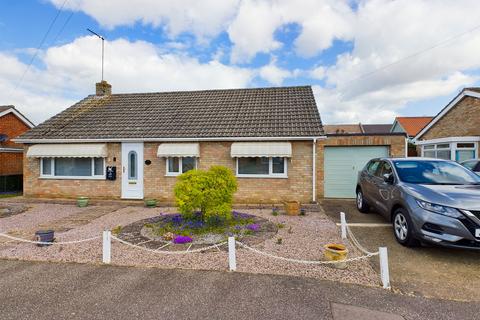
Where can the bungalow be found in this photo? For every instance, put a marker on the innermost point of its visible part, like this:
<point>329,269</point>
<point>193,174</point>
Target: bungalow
<point>12,124</point>
<point>454,133</point>
<point>132,146</point>
<point>411,126</point>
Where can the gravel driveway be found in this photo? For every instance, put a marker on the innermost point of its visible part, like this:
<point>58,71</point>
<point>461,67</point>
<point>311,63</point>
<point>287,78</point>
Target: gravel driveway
<point>302,238</point>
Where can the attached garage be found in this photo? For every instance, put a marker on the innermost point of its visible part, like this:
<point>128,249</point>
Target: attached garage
<point>342,165</point>
<point>344,155</point>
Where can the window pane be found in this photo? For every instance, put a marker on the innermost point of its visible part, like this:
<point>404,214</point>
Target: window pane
<point>443,154</point>
<point>81,167</point>
<point>98,166</point>
<point>253,165</point>
<point>46,166</point>
<point>278,165</point>
<point>429,154</point>
<point>465,145</point>
<point>429,147</point>
<point>443,146</point>
<point>373,166</point>
<point>132,165</point>
<point>188,163</point>
<point>173,165</point>
<point>463,155</point>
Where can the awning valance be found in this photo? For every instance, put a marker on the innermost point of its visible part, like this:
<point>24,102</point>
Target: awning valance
<point>261,149</point>
<point>178,150</point>
<point>78,150</point>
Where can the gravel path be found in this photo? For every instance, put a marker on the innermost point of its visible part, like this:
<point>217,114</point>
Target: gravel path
<point>302,238</point>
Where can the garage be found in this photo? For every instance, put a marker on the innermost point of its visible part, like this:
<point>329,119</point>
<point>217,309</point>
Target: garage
<point>342,165</point>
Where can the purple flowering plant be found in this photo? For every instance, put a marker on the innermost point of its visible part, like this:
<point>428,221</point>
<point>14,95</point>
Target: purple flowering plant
<point>181,239</point>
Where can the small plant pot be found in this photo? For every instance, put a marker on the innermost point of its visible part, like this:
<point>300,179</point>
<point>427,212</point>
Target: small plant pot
<point>150,203</point>
<point>44,236</point>
<point>336,252</point>
<point>82,201</point>
<point>292,208</point>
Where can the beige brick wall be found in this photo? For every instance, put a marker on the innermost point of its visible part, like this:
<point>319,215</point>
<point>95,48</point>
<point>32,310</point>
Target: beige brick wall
<point>396,144</point>
<point>33,186</point>
<point>298,185</point>
<point>462,120</point>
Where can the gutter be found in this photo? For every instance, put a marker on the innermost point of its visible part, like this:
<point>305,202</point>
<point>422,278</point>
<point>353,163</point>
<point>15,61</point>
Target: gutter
<point>14,150</point>
<point>32,141</point>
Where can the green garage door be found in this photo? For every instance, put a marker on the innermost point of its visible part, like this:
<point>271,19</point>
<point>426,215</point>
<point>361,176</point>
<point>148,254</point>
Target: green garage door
<point>342,165</point>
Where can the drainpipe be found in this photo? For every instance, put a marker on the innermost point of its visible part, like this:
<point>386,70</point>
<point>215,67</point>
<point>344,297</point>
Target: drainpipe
<point>314,170</point>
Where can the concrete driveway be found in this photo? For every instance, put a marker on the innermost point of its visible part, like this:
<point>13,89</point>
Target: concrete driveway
<point>34,290</point>
<point>427,270</point>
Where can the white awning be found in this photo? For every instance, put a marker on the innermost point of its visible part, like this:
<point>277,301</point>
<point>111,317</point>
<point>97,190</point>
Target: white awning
<point>178,150</point>
<point>261,149</point>
<point>78,150</point>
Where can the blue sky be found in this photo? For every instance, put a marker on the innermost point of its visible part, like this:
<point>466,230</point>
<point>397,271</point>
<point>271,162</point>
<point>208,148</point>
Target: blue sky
<point>165,45</point>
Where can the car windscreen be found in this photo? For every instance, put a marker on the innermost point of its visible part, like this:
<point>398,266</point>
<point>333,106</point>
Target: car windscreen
<point>434,172</point>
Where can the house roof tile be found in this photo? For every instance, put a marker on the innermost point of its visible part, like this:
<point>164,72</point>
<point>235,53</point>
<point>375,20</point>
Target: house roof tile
<point>413,125</point>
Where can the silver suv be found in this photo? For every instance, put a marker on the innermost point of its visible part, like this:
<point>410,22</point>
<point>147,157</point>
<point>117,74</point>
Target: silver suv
<point>428,200</point>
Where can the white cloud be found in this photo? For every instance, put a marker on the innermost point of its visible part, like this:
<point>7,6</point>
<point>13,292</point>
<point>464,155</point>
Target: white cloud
<point>71,70</point>
<point>274,74</point>
<point>205,18</point>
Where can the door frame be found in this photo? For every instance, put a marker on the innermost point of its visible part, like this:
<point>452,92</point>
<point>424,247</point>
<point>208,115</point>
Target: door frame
<point>132,188</point>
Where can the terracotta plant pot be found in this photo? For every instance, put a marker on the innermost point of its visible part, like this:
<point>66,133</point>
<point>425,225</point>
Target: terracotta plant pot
<point>82,202</point>
<point>292,208</point>
<point>336,252</point>
<point>150,203</point>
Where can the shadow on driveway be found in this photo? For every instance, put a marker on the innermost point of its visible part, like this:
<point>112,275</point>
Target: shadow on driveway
<point>427,270</point>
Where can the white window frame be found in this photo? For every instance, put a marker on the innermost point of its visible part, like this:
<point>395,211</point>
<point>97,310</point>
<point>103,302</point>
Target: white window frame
<point>91,177</point>
<point>283,175</point>
<point>453,147</point>
<point>180,166</point>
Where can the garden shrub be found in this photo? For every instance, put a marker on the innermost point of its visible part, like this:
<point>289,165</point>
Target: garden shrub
<point>210,192</point>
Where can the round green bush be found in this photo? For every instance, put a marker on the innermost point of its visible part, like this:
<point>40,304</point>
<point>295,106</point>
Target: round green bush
<point>210,192</point>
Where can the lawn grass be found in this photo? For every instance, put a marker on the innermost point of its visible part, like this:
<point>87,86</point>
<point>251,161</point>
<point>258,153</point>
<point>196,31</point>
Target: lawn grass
<point>10,195</point>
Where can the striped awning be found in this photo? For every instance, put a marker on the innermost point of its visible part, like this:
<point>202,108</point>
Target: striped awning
<point>178,150</point>
<point>77,150</point>
<point>261,149</point>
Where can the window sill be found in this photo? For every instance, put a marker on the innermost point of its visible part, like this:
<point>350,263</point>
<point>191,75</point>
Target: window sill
<point>72,178</point>
<point>172,174</point>
<point>261,176</point>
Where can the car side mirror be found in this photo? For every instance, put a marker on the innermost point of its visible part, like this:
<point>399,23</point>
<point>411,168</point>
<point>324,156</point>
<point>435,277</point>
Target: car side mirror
<point>388,178</point>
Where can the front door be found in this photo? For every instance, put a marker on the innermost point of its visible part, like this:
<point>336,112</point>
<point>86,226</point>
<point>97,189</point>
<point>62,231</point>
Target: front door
<point>132,170</point>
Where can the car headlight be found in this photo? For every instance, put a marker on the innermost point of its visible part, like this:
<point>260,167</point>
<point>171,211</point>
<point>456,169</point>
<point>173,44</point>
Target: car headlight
<point>446,211</point>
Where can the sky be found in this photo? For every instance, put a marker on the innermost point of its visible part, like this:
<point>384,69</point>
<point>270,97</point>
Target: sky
<point>366,60</point>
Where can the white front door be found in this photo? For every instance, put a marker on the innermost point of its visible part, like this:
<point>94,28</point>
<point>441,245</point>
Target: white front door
<point>132,170</point>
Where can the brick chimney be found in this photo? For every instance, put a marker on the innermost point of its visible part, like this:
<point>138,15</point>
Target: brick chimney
<point>103,88</point>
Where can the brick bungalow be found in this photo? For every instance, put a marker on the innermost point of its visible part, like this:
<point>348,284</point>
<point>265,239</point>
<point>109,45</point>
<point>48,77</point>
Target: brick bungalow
<point>132,146</point>
<point>12,124</point>
<point>454,133</point>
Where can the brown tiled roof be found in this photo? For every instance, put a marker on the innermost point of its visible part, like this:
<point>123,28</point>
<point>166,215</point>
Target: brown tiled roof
<point>413,125</point>
<point>376,128</point>
<point>260,112</point>
<point>4,108</point>
<point>342,128</point>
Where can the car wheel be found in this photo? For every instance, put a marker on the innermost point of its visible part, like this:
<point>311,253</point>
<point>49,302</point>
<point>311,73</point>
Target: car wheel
<point>403,228</point>
<point>362,204</point>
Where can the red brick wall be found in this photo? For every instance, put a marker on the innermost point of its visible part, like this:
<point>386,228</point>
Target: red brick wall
<point>11,163</point>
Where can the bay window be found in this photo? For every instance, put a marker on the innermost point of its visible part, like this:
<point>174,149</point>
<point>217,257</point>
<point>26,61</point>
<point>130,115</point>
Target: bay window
<point>179,165</point>
<point>72,168</point>
<point>457,151</point>
<point>260,167</point>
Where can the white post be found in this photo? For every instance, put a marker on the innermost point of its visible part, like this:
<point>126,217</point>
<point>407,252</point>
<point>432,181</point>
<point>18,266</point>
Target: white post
<point>107,243</point>
<point>232,260</point>
<point>384,273</point>
<point>343,222</point>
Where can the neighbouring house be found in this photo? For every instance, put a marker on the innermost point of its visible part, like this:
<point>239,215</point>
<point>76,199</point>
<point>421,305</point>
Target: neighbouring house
<point>454,133</point>
<point>411,126</point>
<point>12,124</point>
<point>133,146</point>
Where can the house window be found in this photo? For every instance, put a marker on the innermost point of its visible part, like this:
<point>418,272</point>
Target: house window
<point>262,167</point>
<point>72,168</point>
<point>132,165</point>
<point>457,151</point>
<point>179,165</point>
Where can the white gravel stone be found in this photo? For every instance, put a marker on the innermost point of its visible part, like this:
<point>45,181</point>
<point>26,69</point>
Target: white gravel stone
<point>303,238</point>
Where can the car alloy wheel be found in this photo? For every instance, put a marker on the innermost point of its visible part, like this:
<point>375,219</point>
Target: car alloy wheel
<point>401,227</point>
<point>359,200</point>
